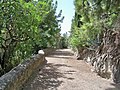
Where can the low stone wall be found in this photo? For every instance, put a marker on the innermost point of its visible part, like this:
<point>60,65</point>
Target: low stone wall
<point>14,79</point>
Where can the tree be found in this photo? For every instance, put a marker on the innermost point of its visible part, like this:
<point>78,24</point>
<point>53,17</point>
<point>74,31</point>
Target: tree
<point>64,41</point>
<point>25,26</point>
<point>91,16</point>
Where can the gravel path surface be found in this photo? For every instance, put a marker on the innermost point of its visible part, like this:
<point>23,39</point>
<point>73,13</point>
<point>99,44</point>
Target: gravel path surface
<point>64,72</point>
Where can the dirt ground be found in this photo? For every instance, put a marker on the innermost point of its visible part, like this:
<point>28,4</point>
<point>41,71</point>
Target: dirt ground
<point>64,72</point>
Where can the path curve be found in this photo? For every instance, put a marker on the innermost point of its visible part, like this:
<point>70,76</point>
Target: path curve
<point>64,72</point>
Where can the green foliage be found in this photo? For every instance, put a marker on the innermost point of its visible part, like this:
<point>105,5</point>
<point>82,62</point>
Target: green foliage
<point>91,16</point>
<point>64,41</point>
<point>25,27</point>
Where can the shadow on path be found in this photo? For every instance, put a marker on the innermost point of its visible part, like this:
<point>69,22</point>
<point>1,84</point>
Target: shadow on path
<point>48,78</point>
<point>61,54</point>
<point>116,87</point>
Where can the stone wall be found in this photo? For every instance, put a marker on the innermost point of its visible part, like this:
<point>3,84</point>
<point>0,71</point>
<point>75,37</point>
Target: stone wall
<point>14,79</point>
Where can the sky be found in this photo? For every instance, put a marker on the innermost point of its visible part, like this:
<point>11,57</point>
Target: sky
<point>67,8</point>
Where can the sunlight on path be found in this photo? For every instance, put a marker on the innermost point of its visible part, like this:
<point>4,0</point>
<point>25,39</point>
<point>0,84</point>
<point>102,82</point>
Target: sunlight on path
<point>64,72</point>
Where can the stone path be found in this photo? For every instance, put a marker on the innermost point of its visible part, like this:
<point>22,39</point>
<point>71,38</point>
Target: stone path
<point>64,72</point>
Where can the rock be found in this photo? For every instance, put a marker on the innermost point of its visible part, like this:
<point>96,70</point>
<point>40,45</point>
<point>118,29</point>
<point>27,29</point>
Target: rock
<point>41,52</point>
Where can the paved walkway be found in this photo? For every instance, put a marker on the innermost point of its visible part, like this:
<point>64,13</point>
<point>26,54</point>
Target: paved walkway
<point>64,72</point>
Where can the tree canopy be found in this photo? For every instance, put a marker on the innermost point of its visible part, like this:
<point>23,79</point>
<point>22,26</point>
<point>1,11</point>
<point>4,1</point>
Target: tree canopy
<point>25,27</point>
<point>91,18</point>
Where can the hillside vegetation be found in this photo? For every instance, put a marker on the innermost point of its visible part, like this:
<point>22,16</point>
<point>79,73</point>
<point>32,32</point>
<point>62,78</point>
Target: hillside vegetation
<point>95,35</point>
